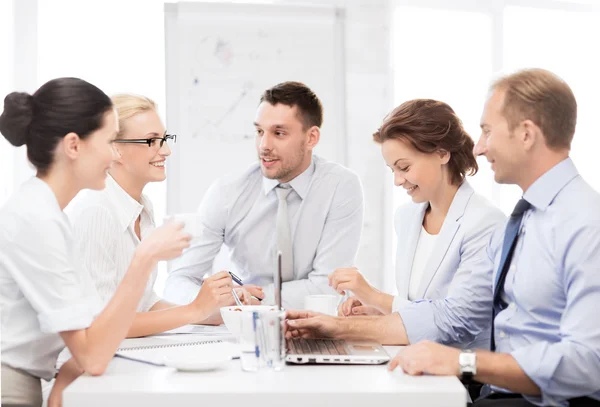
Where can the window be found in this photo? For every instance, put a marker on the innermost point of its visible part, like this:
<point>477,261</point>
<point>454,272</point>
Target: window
<point>563,51</point>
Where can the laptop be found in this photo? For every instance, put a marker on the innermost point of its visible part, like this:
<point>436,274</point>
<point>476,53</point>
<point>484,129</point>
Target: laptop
<point>328,351</point>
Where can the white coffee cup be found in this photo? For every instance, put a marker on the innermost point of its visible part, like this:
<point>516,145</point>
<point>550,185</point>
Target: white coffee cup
<point>324,304</point>
<point>191,222</point>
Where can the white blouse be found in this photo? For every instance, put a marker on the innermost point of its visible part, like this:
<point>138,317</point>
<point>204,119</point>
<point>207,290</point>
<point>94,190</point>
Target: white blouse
<point>104,230</point>
<point>42,291</point>
<point>422,254</point>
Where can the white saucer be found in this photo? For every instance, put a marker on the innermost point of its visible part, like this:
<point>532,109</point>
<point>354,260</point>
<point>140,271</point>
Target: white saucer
<point>204,364</point>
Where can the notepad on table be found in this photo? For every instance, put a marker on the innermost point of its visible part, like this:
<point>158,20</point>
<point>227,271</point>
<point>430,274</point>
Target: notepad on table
<point>200,329</point>
<point>155,349</point>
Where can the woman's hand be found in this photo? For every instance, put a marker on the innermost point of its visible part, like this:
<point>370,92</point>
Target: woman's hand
<point>165,242</point>
<point>353,306</point>
<point>66,375</point>
<point>350,279</point>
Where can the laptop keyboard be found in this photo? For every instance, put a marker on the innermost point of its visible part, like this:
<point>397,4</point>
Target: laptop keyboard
<point>316,347</point>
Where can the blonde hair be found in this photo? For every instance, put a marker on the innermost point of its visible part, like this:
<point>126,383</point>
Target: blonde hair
<point>545,99</point>
<point>128,105</point>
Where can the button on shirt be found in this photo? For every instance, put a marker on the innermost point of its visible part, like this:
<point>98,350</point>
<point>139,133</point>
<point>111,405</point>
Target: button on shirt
<point>42,291</point>
<point>551,326</point>
<point>325,211</point>
<point>104,230</point>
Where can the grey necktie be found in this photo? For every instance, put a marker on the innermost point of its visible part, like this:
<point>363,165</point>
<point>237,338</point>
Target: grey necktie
<point>284,233</point>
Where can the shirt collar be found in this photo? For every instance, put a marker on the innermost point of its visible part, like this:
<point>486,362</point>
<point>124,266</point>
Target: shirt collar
<point>543,191</point>
<point>128,209</point>
<point>300,184</point>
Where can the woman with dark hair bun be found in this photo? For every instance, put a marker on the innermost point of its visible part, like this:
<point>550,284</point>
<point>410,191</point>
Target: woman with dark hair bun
<point>68,126</point>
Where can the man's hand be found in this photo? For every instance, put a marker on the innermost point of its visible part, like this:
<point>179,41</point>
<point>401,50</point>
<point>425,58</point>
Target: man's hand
<point>306,324</point>
<point>427,357</point>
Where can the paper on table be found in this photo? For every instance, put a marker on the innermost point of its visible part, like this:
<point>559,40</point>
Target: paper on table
<point>154,350</point>
<point>164,341</point>
<point>199,329</point>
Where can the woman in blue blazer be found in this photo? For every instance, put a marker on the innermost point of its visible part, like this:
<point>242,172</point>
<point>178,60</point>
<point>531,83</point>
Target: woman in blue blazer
<point>442,234</point>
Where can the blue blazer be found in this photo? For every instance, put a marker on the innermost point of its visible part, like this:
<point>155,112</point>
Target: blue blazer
<point>459,250</point>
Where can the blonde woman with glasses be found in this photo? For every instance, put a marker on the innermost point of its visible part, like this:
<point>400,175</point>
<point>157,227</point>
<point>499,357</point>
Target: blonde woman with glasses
<point>109,224</point>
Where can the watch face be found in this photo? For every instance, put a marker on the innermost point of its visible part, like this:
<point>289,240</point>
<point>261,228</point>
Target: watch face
<point>467,362</point>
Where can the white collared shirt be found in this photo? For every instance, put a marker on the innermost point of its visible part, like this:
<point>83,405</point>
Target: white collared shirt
<point>325,211</point>
<point>104,230</point>
<point>42,291</point>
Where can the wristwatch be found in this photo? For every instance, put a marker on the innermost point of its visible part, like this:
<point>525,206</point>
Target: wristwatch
<point>467,361</point>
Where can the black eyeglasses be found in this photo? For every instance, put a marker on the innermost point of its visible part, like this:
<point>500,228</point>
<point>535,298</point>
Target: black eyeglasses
<point>152,141</point>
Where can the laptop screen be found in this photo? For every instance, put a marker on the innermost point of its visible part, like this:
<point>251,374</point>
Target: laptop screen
<point>277,282</point>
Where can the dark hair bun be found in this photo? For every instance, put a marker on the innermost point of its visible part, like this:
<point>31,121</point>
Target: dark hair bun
<point>16,118</point>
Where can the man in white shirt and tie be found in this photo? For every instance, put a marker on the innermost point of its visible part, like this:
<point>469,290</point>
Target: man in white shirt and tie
<point>291,200</point>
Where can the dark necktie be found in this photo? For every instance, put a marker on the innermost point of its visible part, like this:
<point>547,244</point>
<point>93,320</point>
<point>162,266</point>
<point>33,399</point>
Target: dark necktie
<point>511,235</point>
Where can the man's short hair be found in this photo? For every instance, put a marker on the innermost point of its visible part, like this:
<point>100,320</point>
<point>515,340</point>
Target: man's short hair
<point>310,109</point>
<point>545,99</point>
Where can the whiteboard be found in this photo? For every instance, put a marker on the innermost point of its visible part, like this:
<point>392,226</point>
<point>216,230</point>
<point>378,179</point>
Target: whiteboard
<point>220,57</point>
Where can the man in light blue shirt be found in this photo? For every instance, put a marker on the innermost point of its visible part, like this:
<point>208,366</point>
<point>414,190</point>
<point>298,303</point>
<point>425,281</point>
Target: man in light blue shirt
<point>290,201</point>
<point>546,283</point>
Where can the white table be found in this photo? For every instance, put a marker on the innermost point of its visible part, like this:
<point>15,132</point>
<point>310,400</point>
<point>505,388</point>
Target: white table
<point>129,383</point>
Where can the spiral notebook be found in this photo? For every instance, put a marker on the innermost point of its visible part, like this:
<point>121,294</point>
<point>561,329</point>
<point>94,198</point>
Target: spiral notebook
<point>154,350</point>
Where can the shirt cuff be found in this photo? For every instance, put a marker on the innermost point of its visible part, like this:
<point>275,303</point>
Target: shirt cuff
<point>71,318</point>
<point>419,323</point>
<point>540,366</point>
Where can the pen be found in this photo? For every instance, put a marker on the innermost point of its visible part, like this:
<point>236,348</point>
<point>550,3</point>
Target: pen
<point>239,282</point>
<point>235,278</point>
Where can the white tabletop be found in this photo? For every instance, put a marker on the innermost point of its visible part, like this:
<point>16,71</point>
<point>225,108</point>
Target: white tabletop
<point>129,383</point>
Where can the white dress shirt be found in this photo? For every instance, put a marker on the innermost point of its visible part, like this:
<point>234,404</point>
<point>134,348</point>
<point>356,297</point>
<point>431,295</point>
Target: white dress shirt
<point>42,291</point>
<point>325,212</point>
<point>104,230</point>
<point>425,247</point>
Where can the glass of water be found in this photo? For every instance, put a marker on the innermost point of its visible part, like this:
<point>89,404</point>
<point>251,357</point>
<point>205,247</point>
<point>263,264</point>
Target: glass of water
<point>262,340</point>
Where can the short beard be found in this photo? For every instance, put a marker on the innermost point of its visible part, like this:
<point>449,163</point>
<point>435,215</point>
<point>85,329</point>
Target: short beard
<point>296,161</point>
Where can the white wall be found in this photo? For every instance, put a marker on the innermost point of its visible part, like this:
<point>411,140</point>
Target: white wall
<point>6,86</point>
<point>18,46</point>
<point>369,98</point>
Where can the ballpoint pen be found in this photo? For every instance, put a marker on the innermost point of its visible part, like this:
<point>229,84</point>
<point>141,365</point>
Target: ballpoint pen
<point>238,281</point>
